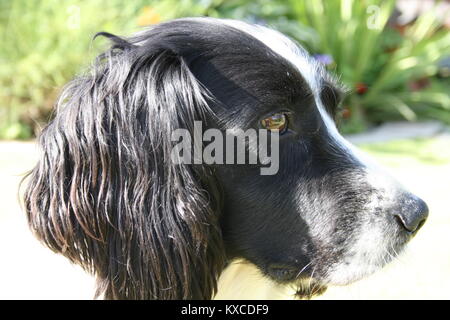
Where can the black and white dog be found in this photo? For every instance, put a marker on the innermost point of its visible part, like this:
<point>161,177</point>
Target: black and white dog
<point>106,195</point>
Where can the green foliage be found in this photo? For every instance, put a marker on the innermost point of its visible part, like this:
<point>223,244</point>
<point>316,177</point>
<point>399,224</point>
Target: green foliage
<point>45,43</point>
<point>366,50</point>
<point>433,151</point>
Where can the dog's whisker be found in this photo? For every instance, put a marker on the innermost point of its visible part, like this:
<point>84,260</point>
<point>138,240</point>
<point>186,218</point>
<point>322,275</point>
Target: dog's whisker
<point>303,269</point>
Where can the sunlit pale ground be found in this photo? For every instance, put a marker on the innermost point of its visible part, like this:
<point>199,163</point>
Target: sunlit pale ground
<point>29,271</point>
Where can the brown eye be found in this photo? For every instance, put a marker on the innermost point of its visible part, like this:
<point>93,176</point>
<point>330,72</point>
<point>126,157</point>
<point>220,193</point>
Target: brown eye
<point>278,121</point>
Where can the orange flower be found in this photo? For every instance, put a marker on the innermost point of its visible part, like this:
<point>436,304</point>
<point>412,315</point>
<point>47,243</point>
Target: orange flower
<point>346,113</point>
<point>361,88</point>
<point>148,16</point>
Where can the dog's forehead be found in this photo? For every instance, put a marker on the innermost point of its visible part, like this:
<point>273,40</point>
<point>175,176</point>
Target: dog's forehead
<point>280,45</point>
<point>260,60</point>
<point>310,70</point>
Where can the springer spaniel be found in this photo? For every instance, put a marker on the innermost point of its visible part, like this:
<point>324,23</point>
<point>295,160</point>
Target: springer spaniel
<point>108,194</point>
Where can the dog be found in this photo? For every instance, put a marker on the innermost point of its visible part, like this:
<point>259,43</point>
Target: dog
<point>106,194</point>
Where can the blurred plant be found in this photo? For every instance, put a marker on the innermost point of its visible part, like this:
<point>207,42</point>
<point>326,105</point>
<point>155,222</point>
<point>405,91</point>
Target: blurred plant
<point>44,43</point>
<point>378,62</point>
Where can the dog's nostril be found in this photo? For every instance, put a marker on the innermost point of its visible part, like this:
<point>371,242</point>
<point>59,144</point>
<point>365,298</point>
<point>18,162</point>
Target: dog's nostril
<point>413,214</point>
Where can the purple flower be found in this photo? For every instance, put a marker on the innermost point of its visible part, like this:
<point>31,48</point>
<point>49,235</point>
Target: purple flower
<point>325,59</point>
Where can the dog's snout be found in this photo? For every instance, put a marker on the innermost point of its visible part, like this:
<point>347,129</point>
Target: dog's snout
<point>413,213</point>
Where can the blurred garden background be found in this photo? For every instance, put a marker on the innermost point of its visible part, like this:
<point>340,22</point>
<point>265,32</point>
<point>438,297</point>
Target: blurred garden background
<point>393,55</point>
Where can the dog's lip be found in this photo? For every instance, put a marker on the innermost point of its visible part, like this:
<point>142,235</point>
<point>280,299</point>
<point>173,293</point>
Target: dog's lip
<point>282,272</point>
<point>287,272</point>
<point>306,287</point>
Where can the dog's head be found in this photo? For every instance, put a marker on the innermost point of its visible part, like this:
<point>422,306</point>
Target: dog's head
<point>107,195</point>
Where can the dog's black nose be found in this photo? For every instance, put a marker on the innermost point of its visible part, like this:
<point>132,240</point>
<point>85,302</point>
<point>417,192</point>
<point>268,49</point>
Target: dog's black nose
<point>413,213</point>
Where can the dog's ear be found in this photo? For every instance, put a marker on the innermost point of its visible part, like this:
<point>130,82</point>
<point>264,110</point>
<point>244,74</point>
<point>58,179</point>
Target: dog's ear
<point>105,192</point>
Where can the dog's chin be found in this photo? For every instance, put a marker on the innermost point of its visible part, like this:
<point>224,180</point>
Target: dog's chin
<point>308,288</point>
<point>343,273</point>
<point>305,287</point>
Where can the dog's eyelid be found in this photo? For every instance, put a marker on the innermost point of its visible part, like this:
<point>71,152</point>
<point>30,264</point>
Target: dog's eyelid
<point>272,113</point>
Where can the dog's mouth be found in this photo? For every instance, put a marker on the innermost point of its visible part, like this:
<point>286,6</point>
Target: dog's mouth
<point>283,273</point>
<point>313,278</point>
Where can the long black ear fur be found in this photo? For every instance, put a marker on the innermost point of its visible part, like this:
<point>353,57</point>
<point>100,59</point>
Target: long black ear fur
<point>105,193</point>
